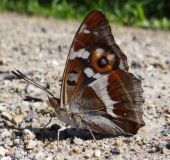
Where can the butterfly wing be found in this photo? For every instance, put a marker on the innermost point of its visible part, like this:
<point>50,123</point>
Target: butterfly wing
<point>112,104</point>
<point>93,53</point>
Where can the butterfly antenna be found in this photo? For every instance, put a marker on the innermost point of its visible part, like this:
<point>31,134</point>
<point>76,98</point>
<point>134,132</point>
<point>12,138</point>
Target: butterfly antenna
<point>22,76</point>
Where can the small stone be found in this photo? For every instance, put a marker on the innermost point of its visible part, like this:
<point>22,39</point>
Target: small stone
<point>27,135</point>
<point>30,117</point>
<point>97,153</point>
<point>3,61</point>
<point>6,115</point>
<point>39,155</point>
<point>2,125</point>
<point>31,144</point>
<point>54,62</point>
<point>156,139</point>
<point>165,151</point>
<point>16,141</point>
<point>2,151</point>
<point>153,149</point>
<point>6,158</point>
<point>87,156</point>
<point>17,119</point>
<point>118,143</point>
<point>50,157</point>
<point>9,124</point>
<point>115,150</point>
<point>135,64</point>
<point>2,109</point>
<point>140,143</point>
<point>77,149</point>
<point>25,106</point>
<point>112,158</point>
<point>36,105</point>
<point>78,141</point>
<point>144,130</point>
<point>138,138</point>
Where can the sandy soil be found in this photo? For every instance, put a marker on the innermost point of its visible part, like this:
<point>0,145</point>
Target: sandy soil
<point>38,47</point>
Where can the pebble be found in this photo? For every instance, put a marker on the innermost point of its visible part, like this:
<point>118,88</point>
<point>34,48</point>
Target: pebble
<point>50,158</point>
<point>6,158</point>
<point>140,143</point>
<point>149,68</point>
<point>3,61</point>
<point>135,64</point>
<point>87,156</point>
<point>39,155</point>
<point>138,138</point>
<point>5,133</point>
<point>16,141</point>
<point>54,62</point>
<point>17,119</point>
<point>77,149</point>
<point>9,124</point>
<point>6,115</point>
<point>2,108</point>
<point>153,149</point>
<point>78,141</point>
<point>27,135</point>
<point>112,158</point>
<point>118,142</point>
<point>165,151</point>
<point>36,105</point>
<point>30,117</point>
<point>25,106</point>
<point>2,151</point>
<point>97,153</point>
<point>31,144</point>
<point>115,150</point>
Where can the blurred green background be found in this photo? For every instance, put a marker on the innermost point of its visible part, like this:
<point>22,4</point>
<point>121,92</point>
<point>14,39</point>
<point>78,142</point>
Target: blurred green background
<point>153,14</point>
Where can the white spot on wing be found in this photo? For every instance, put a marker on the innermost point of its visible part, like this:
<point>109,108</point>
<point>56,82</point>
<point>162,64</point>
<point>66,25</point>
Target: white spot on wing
<point>86,55</point>
<point>82,27</point>
<point>98,75</point>
<point>72,77</point>
<point>100,88</point>
<point>89,72</point>
<point>110,56</point>
<point>99,51</point>
<point>95,33</point>
<point>86,31</point>
<point>80,53</point>
<point>72,54</point>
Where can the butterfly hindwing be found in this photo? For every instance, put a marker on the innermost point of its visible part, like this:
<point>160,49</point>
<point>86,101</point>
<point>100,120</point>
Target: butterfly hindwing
<point>117,97</point>
<point>93,53</point>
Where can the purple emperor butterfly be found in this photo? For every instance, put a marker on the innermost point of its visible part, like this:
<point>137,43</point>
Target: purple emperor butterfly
<point>98,92</point>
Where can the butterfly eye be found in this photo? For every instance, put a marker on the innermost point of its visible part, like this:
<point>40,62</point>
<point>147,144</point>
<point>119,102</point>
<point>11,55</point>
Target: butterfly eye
<point>102,62</point>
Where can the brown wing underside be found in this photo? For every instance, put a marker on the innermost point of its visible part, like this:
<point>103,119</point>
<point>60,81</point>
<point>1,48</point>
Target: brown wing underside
<point>120,104</point>
<point>93,53</point>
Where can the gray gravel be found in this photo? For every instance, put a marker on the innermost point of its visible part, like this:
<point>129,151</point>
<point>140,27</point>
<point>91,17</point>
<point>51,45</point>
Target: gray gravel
<point>39,47</point>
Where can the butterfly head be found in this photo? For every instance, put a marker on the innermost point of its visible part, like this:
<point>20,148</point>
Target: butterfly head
<point>54,102</point>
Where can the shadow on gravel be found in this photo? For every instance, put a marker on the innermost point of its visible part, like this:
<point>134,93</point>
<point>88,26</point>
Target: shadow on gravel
<point>51,133</point>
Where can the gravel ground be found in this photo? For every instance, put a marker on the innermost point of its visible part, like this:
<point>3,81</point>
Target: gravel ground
<point>38,47</point>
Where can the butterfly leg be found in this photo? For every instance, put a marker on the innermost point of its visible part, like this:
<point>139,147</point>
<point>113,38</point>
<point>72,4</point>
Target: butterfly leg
<point>58,136</point>
<point>93,136</point>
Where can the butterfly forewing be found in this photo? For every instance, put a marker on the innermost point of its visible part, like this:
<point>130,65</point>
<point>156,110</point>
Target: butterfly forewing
<point>93,54</point>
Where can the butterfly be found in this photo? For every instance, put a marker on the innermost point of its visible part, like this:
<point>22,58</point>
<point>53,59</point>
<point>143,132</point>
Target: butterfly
<point>98,93</point>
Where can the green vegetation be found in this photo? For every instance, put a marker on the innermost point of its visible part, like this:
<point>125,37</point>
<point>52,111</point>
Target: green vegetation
<point>141,13</point>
